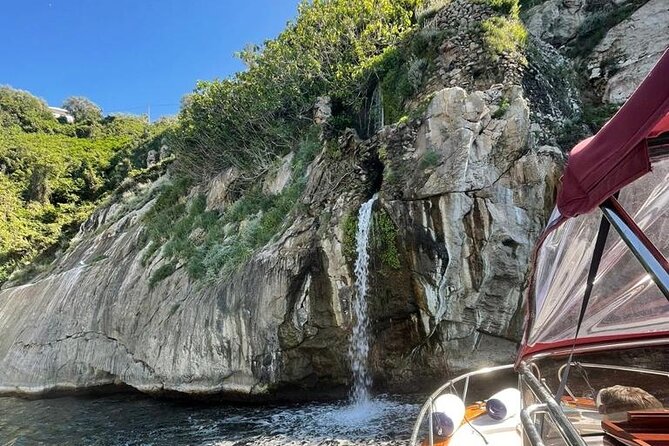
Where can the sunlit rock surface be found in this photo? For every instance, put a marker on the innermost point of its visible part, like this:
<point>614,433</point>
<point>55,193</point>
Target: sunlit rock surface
<point>628,52</point>
<point>556,21</point>
<point>623,55</point>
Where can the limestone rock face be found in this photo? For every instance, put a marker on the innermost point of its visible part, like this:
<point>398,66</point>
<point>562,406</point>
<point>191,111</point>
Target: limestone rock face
<point>556,21</point>
<point>322,110</point>
<point>471,219</point>
<point>628,52</point>
<point>276,181</point>
<point>151,158</point>
<point>464,195</point>
<point>625,54</point>
<point>219,195</point>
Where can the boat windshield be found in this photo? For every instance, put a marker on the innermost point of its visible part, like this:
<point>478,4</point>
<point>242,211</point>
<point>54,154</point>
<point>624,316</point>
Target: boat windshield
<point>625,302</point>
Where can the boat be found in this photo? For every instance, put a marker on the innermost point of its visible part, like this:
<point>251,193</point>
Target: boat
<point>597,304</point>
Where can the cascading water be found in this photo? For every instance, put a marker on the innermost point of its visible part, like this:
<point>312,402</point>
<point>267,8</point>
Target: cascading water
<point>359,347</point>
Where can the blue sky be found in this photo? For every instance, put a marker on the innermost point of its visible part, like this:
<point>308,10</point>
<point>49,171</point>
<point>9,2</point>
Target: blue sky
<point>127,54</point>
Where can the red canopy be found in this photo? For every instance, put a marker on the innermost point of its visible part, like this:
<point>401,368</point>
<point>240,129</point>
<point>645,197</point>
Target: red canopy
<point>618,154</point>
<point>625,304</point>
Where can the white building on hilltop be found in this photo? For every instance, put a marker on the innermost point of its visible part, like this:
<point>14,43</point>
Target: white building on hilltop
<point>59,113</point>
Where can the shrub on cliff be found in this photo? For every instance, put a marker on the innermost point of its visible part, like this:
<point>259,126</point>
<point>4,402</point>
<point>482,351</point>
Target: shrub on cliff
<point>504,34</point>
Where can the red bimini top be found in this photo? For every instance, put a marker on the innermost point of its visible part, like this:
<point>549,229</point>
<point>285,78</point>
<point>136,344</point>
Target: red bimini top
<point>625,304</point>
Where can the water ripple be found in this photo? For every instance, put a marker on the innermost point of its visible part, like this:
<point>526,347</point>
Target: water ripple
<point>134,420</point>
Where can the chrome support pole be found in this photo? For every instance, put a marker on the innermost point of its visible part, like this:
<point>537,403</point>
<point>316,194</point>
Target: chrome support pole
<point>430,426</point>
<point>566,428</point>
<point>622,368</point>
<point>529,427</point>
<point>643,249</point>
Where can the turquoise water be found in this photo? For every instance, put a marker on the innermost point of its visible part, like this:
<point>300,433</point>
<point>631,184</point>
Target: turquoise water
<point>138,420</point>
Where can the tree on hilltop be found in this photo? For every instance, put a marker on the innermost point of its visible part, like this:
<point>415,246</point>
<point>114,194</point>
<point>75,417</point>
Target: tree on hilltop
<point>83,109</point>
<point>20,108</point>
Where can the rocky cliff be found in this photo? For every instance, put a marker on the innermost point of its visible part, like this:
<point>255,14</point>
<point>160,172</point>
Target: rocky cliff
<point>465,187</point>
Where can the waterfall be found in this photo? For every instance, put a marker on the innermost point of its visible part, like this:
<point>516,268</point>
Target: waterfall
<point>359,347</point>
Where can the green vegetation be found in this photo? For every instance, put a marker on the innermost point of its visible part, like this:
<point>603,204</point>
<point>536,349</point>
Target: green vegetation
<point>212,244</point>
<point>21,109</point>
<point>362,54</point>
<point>393,69</point>
<point>161,273</point>
<point>429,159</point>
<point>390,177</point>
<point>428,9</point>
<point>504,34</point>
<point>350,234</point>
<point>508,7</point>
<point>595,116</point>
<point>383,238</point>
<point>526,5</point>
<point>248,120</point>
<point>83,109</point>
<point>588,122</point>
<point>51,180</point>
<point>504,105</point>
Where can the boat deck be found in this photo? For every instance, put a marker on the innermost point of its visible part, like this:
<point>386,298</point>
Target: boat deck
<point>496,433</point>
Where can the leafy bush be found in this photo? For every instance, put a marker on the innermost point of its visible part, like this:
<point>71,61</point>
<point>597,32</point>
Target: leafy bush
<point>161,273</point>
<point>83,109</point>
<point>503,34</point>
<point>504,105</point>
<point>395,86</point>
<point>250,119</point>
<point>20,108</point>
<point>214,245</point>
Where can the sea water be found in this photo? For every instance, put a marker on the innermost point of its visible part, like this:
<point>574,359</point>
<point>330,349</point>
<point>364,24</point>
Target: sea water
<point>131,419</point>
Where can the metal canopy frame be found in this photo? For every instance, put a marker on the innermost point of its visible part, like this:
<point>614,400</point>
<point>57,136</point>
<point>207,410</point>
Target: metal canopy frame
<point>643,249</point>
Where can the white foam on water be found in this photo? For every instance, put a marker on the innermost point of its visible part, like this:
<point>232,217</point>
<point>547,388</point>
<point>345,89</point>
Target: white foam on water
<point>380,421</point>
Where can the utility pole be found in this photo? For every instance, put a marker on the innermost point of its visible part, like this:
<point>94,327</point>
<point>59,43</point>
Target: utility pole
<point>149,112</point>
